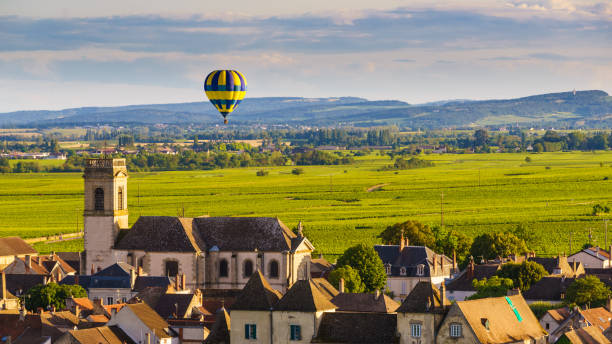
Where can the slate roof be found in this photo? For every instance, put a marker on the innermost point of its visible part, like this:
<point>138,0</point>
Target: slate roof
<point>357,327</point>
<point>409,258</point>
<point>304,296</point>
<point>15,246</point>
<point>548,289</point>
<point>119,269</point>
<point>166,305</point>
<point>424,298</point>
<point>220,331</point>
<point>463,282</point>
<point>88,282</point>
<point>177,234</point>
<point>325,287</point>
<point>586,335</point>
<point>504,325</point>
<point>257,295</point>
<point>364,302</point>
<point>150,318</point>
<point>19,284</point>
<point>101,335</point>
<point>143,282</point>
<point>551,264</point>
<point>320,267</point>
<point>71,258</point>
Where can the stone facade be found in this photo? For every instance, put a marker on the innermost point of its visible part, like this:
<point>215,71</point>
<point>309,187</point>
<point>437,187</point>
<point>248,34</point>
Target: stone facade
<point>307,321</point>
<point>429,323</point>
<point>261,320</point>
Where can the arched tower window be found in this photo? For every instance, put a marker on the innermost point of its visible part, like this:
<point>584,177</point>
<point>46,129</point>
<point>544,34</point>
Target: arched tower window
<point>171,268</point>
<point>223,268</point>
<point>273,269</point>
<point>120,199</point>
<point>247,268</point>
<point>99,199</point>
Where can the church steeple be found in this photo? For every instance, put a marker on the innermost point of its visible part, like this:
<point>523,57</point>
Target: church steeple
<point>105,210</point>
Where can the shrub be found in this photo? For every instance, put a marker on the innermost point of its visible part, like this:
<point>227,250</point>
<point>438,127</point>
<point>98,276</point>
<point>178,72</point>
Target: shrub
<point>297,171</point>
<point>262,173</point>
<point>527,159</point>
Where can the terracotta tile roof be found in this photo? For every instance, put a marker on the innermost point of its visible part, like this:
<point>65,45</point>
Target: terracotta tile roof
<point>304,296</point>
<point>257,295</point>
<point>364,302</point>
<point>354,327</point>
<point>117,307</point>
<point>559,314</point>
<point>101,335</point>
<point>598,317</point>
<point>504,325</point>
<point>598,252</point>
<point>15,246</point>
<point>586,335</point>
<point>71,258</point>
<point>97,318</point>
<point>83,302</point>
<point>220,331</point>
<point>62,319</point>
<point>424,298</point>
<point>150,318</point>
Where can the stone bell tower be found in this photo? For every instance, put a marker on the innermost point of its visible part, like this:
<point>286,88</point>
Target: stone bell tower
<point>105,211</point>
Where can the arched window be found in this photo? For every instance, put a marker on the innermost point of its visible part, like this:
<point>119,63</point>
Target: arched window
<point>171,268</point>
<point>247,268</point>
<point>120,199</point>
<point>99,199</point>
<point>223,268</point>
<point>273,269</point>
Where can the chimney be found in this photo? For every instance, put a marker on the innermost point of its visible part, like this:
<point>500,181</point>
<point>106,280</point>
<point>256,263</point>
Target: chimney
<point>442,264</point>
<point>28,261</point>
<point>597,251</point>
<point>341,285</point>
<point>148,338</point>
<point>442,294</point>
<point>407,242</point>
<point>435,264</point>
<point>98,301</point>
<point>76,279</point>
<point>470,269</point>
<point>376,294</point>
<point>132,278</point>
<point>77,311</point>
<point>183,283</point>
<point>454,261</point>
<point>3,290</point>
<point>609,304</point>
<point>514,291</point>
<point>93,271</point>
<point>176,282</point>
<point>401,248</point>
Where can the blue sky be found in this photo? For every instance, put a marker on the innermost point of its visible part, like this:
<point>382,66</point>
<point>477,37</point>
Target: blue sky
<point>68,53</point>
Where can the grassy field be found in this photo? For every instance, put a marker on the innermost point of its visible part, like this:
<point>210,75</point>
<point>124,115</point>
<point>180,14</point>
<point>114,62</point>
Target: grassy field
<point>554,194</point>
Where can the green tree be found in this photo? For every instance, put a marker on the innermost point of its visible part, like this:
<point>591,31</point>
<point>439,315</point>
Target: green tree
<point>352,281</point>
<point>524,232</point>
<point>588,291</point>
<point>448,241</point>
<point>51,294</point>
<point>523,275</point>
<point>492,245</point>
<point>492,287</point>
<point>416,233</point>
<point>480,137</point>
<point>5,166</point>
<point>366,261</point>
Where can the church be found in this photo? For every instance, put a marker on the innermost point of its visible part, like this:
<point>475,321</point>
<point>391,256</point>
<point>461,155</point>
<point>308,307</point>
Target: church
<point>211,252</point>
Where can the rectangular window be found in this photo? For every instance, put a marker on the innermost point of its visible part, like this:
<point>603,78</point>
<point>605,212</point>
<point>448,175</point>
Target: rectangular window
<point>250,331</point>
<point>415,330</point>
<point>296,332</point>
<point>109,300</point>
<point>455,330</point>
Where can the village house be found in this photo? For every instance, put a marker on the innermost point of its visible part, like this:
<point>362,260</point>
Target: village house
<point>592,257</point>
<point>460,287</point>
<point>51,266</point>
<point>210,251</point>
<point>407,265</point>
<point>103,334</point>
<point>584,335</point>
<point>143,325</point>
<point>549,289</point>
<point>560,321</point>
<point>560,266</point>
<point>12,247</point>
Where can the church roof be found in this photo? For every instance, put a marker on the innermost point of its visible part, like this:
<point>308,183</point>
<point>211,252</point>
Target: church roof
<point>304,296</point>
<point>177,234</point>
<point>257,295</point>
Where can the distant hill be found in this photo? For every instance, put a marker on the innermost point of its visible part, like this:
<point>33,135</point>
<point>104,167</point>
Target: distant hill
<point>583,108</point>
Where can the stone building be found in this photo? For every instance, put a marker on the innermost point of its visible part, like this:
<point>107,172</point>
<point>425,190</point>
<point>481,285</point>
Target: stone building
<point>212,252</point>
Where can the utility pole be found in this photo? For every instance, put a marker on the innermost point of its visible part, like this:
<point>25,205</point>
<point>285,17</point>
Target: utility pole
<point>571,252</point>
<point>442,209</point>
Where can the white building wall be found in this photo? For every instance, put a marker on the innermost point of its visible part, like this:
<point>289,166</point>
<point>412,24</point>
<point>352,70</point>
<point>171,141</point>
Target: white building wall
<point>588,260</point>
<point>126,320</point>
<point>104,293</point>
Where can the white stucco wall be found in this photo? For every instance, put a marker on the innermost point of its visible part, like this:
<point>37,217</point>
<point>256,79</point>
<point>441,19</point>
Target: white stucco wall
<point>588,260</point>
<point>126,320</point>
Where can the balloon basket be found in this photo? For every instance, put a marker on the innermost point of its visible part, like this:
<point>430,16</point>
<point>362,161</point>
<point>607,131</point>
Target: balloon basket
<point>224,121</point>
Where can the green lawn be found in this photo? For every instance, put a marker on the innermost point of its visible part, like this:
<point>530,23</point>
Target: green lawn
<point>482,192</point>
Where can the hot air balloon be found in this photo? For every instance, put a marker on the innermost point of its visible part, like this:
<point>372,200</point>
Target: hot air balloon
<point>225,89</point>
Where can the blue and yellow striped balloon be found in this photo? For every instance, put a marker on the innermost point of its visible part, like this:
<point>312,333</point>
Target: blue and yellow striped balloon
<point>225,89</point>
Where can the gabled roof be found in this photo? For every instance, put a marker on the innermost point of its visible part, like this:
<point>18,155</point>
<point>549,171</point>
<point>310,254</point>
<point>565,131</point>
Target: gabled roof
<point>424,298</point>
<point>364,302</point>
<point>357,327</point>
<point>410,258</point>
<point>143,282</point>
<point>150,318</point>
<point>220,331</point>
<point>304,296</point>
<point>559,315</point>
<point>15,246</point>
<point>586,335</point>
<point>83,302</point>
<point>503,322</point>
<point>101,335</point>
<point>598,317</point>
<point>325,287</point>
<point>119,269</point>
<point>257,295</point>
<point>548,288</point>
<point>168,303</point>
<point>463,282</point>
<point>160,234</point>
<point>71,258</point>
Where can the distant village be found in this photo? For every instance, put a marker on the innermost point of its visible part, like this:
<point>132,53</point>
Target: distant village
<point>171,280</point>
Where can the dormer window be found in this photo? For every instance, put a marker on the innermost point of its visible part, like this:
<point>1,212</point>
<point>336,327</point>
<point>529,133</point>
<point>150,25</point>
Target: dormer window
<point>420,270</point>
<point>403,271</point>
<point>388,268</point>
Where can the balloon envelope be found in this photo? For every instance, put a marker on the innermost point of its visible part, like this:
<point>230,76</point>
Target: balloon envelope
<point>225,89</point>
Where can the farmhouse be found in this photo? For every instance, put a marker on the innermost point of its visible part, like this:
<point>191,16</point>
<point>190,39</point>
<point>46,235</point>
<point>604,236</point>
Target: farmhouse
<point>210,251</point>
<point>593,257</point>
